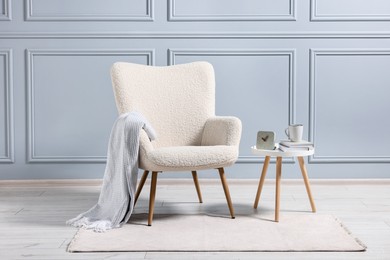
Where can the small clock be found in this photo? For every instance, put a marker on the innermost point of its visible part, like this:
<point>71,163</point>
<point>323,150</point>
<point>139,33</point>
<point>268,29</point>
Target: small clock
<point>265,140</point>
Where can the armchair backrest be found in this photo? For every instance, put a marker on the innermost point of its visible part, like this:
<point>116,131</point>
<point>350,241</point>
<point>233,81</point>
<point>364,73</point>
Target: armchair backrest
<point>177,100</point>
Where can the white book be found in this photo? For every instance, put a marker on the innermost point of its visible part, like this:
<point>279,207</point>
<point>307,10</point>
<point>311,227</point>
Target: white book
<point>298,148</point>
<point>302,143</point>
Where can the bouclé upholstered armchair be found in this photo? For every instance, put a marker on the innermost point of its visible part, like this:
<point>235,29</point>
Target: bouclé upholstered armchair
<point>179,102</point>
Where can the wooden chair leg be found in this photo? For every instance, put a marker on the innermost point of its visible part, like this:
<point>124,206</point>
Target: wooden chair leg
<point>141,185</point>
<point>226,190</point>
<point>152,197</point>
<point>277,193</point>
<point>261,182</point>
<point>195,177</point>
<point>306,180</point>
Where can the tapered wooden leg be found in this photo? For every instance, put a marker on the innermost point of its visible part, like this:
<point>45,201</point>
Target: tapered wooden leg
<point>195,177</point>
<point>261,182</point>
<point>141,185</point>
<point>226,190</point>
<point>306,180</point>
<point>277,193</point>
<point>152,197</point>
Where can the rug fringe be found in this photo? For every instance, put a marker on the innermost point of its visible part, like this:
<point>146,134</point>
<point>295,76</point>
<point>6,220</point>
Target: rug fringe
<point>350,233</point>
<point>74,240</point>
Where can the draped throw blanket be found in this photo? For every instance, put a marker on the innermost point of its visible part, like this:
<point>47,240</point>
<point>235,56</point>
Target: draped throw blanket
<point>116,200</point>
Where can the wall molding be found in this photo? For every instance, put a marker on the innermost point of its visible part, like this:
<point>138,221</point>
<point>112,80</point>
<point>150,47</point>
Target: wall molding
<point>173,16</point>
<point>30,16</point>
<point>30,54</point>
<point>197,35</point>
<point>314,16</point>
<point>314,53</point>
<point>173,53</point>
<point>7,13</point>
<point>8,101</point>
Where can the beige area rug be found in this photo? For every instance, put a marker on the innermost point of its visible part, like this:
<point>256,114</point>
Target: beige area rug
<point>303,232</point>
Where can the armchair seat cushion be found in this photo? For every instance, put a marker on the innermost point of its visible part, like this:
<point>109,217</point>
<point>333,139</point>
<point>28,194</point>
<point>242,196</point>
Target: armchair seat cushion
<point>180,158</point>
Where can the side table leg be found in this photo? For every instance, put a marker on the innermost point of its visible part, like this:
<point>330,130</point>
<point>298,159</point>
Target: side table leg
<point>277,193</point>
<point>261,182</point>
<point>306,180</point>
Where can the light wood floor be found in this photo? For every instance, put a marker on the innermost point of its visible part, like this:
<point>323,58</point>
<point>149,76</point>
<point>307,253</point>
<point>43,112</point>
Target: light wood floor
<point>32,214</point>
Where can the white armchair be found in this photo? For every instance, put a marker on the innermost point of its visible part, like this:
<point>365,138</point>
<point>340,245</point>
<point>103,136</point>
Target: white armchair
<point>179,102</point>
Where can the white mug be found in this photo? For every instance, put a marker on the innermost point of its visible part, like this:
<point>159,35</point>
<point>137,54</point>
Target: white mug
<point>294,132</point>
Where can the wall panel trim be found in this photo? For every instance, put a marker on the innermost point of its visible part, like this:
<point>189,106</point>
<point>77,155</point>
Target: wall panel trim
<point>314,53</point>
<point>314,16</point>
<point>30,54</point>
<point>30,16</point>
<point>8,104</point>
<point>173,53</point>
<point>7,13</point>
<point>173,16</point>
<point>197,35</point>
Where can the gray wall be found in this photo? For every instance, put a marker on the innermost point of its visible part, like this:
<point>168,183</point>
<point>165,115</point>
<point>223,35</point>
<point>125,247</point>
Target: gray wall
<point>323,63</point>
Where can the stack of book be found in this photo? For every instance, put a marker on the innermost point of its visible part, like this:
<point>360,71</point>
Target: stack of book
<point>301,146</point>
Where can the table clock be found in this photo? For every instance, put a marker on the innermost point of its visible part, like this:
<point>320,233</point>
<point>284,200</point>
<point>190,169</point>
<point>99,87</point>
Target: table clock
<point>265,140</point>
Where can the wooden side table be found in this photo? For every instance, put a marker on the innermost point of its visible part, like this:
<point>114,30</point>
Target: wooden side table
<point>279,155</point>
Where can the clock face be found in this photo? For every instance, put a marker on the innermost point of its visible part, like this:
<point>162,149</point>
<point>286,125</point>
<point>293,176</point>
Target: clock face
<point>265,140</point>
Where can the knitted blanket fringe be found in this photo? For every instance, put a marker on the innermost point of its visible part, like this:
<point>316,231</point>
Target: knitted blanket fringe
<point>116,200</point>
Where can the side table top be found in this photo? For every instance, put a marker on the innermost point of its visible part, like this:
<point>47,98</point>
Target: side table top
<point>279,153</point>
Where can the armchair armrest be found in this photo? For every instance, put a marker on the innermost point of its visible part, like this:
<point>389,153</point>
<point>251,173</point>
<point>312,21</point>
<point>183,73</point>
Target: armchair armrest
<point>145,144</point>
<point>222,130</point>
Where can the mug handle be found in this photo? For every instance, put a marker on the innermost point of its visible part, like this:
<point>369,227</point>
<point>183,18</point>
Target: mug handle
<point>287,133</point>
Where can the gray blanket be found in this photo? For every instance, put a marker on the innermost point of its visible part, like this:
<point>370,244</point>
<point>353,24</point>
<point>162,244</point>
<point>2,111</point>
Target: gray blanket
<point>116,200</point>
